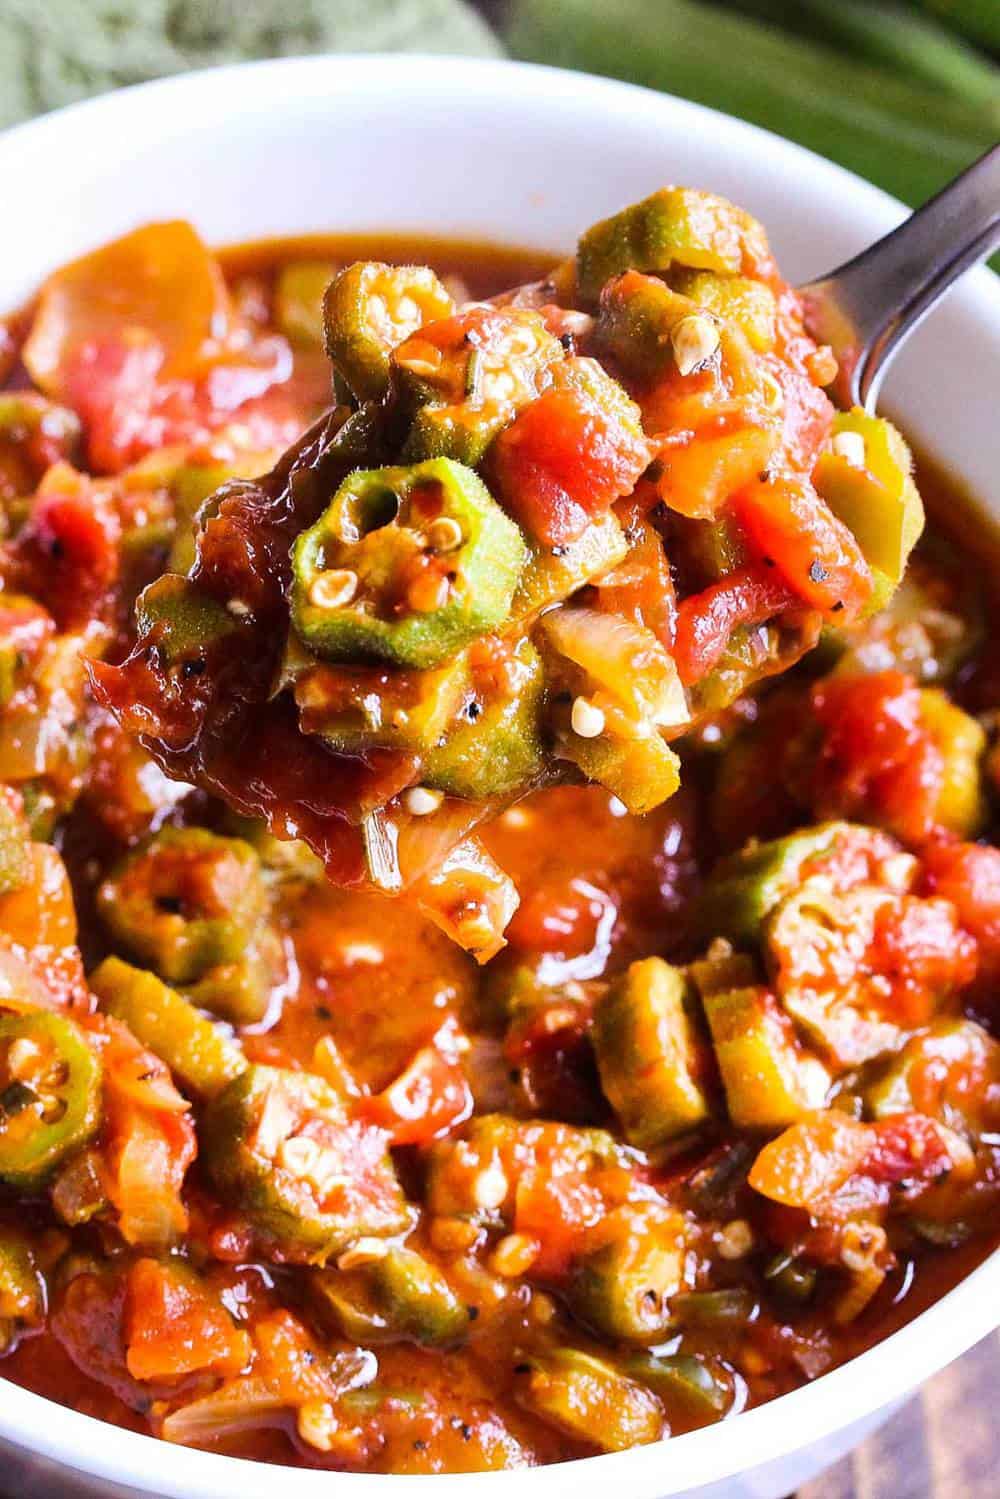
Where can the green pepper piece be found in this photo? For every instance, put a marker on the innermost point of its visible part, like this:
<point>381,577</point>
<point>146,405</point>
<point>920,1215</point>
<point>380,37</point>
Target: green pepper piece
<point>465,379</point>
<point>356,708</point>
<point>372,308</point>
<point>623,1289</point>
<point>873,492</point>
<point>745,887</point>
<point>551,574</point>
<point>677,226</point>
<point>630,691</point>
<point>769,1081</point>
<point>686,1382</point>
<point>22,1290</point>
<point>749,304</point>
<point>731,1305</point>
<point>198,1054</point>
<point>278,1148</point>
<point>298,300</point>
<point>646,1052</point>
<point>495,745</point>
<point>951,1071</point>
<point>588,1399</point>
<point>185,901</point>
<point>399,1295</point>
<point>790,1277</point>
<point>185,621</point>
<point>52,1106</point>
<point>407,565</point>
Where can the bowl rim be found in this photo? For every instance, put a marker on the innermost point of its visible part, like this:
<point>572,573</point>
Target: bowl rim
<point>784,1426</point>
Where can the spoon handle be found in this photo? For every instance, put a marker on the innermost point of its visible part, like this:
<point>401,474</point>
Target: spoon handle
<point>866,308</point>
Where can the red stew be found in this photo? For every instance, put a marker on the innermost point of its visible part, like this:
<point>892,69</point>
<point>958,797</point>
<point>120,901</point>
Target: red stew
<point>283,1171</point>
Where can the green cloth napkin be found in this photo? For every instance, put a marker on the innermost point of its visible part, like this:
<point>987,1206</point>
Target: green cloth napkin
<point>54,52</point>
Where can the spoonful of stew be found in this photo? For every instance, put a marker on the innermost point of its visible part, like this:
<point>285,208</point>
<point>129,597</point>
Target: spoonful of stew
<point>536,538</point>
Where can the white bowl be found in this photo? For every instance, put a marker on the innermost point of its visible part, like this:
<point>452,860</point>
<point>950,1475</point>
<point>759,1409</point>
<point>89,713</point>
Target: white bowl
<point>528,156</point>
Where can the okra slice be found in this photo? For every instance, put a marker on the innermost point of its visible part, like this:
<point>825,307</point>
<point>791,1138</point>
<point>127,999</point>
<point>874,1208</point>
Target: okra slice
<point>355,708</point>
<point>50,1095</point>
<point>183,621</point>
<point>588,1399</point>
<point>677,226</point>
<point>406,565</point>
<point>397,1296</point>
<point>623,1289</point>
<point>646,1049</point>
<point>616,691</point>
<point>745,887</point>
<point>951,1072</point>
<point>749,304</point>
<point>34,434</point>
<point>552,574</point>
<point>496,744</point>
<point>866,478</point>
<point>370,309</point>
<point>185,901</point>
<point>961,740</point>
<point>465,378</point>
<point>200,1056</point>
<point>635,323</point>
<point>815,942</point>
<point>22,1289</point>
<point>15,844</point>
<point>769,1080</point>
<point>299,293</point>
<point>278,1148</point>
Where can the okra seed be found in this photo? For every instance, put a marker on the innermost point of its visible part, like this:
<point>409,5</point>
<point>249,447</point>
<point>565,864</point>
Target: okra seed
<point>300,1155</point>
<point>586,718</point>
<point>489,1188</point>
<point>334,588</point>
<point>445,534</point>
<point>22,1058</point>
<point>577,323</point>
<point>364,1251</point>
<point>514,1255</point>
<point>694,340</point>
<point>851,447</point>
<point>735,1239</point>
<point>861,1246</point>
<point>421,801</point>
<point>317,1423</point>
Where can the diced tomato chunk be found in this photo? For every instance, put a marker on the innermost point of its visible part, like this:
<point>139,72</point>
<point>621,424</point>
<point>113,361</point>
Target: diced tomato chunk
<point>67,552</point>
<point>563,462</point>
<point>427,1100</point>
<point>923,954</point>
<point>793,530</point>
<point>173,1326</point>
<point>706,620</point>
<point>877,760</point>
<point>968,875</point>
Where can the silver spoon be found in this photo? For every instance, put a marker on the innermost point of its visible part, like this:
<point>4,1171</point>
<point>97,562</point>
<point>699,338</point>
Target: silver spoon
<point>866,308</point>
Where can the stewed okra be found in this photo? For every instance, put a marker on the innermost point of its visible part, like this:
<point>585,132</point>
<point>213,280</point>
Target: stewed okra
<point>521,481</point>
<point>575,634</point>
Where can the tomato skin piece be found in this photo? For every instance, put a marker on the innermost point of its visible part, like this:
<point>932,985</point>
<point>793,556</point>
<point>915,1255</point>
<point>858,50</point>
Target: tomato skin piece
<point>789,526</point>
<point>430,1098</point>
<point>968,875</point>
<point>706,620</point>
<point>562,463</point>
<point>877,761</point>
